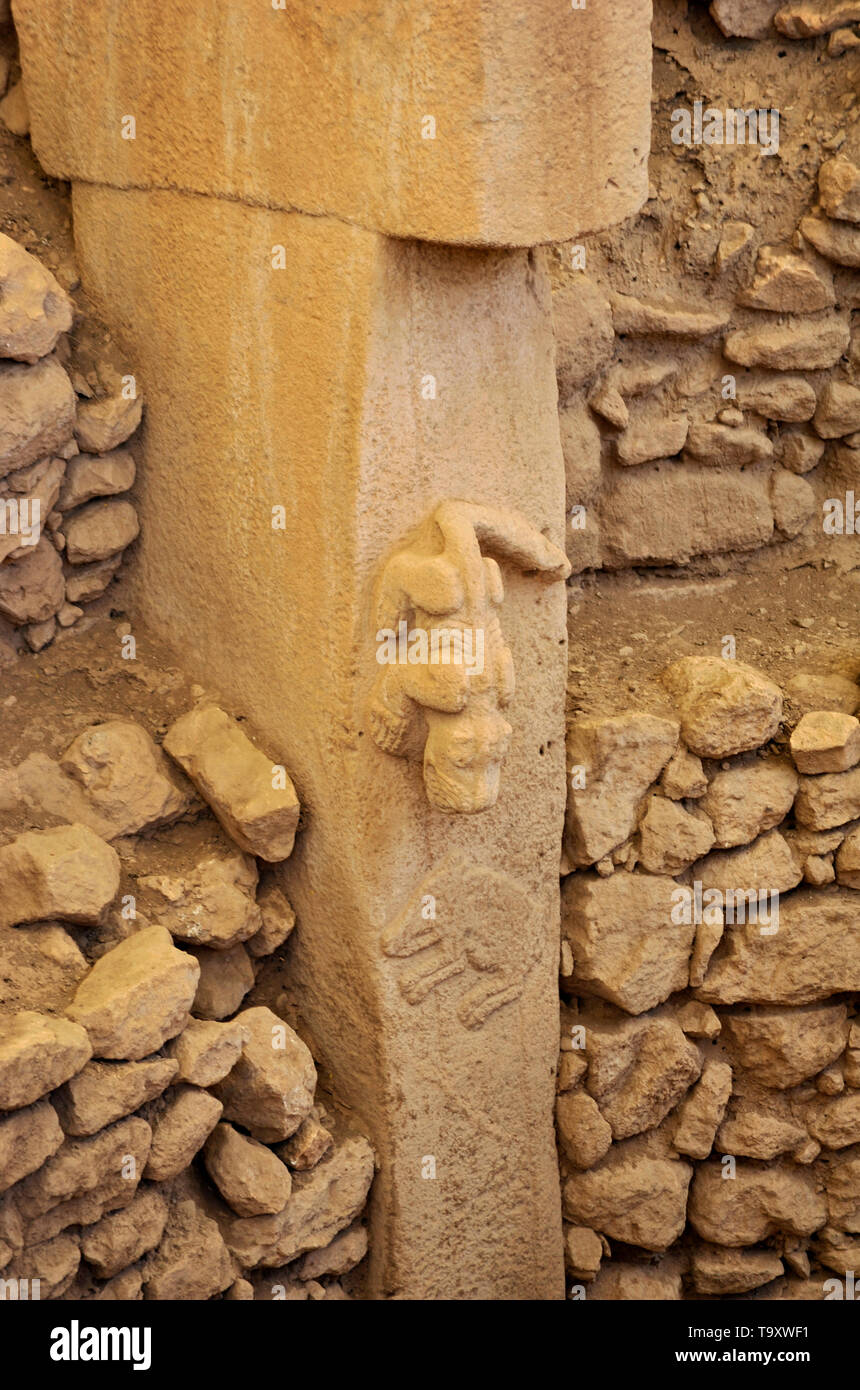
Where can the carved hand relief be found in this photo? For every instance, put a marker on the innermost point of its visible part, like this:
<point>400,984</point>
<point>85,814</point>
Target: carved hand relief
<point>470,920</point>
<point>446,671</point>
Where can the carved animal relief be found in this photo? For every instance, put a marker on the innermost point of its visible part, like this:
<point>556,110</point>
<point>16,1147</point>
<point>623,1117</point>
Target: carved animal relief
<point>446,671</point>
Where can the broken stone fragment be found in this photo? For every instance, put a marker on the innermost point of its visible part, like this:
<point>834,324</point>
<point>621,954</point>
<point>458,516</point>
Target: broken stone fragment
<point>744,19</point>
<point>271,1088</point>
<point>800,453</point>
<point>37,1053</point>
<point>651,434</point>
<point>619,757</point>
<point>806,19</point>
<point>104,423</point>
<point>14,111</point>
<point>182,1128</point>
<point>580,445</point>
<point>725,444</point>
<point>100,1173</point>
<point>777,396</point>
<point>829,799</point>
<point>211,905</point>
<point>98,530</point>
<point>343,1254</point>
<point>717,1270</point>
<point>122,1237</point>
<point>835,1120</point>
<point>67,872</point>
<point>626,946</point>
<point>136,996</point>
<point>34,309</point>
<point>814,953</point>
<point>734,238</point>
<point>725,706</point>
<point>800,345</point>
<point>638,318</point>
<point>126,777</point>
<point>54,1263</point>
<point>37,490</point>
<point>37,412</point>
<point>760,1129</point>
<point>626,1281</point>
<point>700,1113</point>
<point>767,866</point>
<point>698,1020</point>
<point>781,1047</point>
<point>839,188</point>
<point>838,411</point>
<point>583,1251</point>
<point>323,1202</point>
<point>87,582</point>
<point>607,402</point>
<point>32,588</point>
<point>41,967</point>
<point>96,475</point>
<point>27,1138</point>
<point>254,800</point>
<point>638,1070</point>
<point>848,860</point>
<point>810,692</point>
<point>251,1179</point>
<point>758,1203</point>
<point>670,838</point>
<point>204,1052</point>
<point>584,335</point>
<point>192,1262</point>
<point>583,1133</point>
<point>278,921</point>
<point>826,741</point>
<point>631,1197</point>
<point>225,978</point>
<point>683,776</point>
<point>745,801</point>
<point>308,1145</point>
<point>838,241</point>
<point>103,1092</point>
<point>787,284</point>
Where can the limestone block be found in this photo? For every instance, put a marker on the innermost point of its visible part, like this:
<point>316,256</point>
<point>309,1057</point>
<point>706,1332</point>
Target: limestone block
<point>35,308</point>
<point>718,1270</point>
<point>96,475</point>
<point>126,776</point>
<point>757,1203</point>
<point>826,741</point>
<point>204,1052</point>
<point>638,1070</point>
<point>225,978</point>
<point>617,758</point>
<point>37,412</point>
<point>839,188</point>
<point>270,1090</point>
<point>622,1280</point>
<point>631,1197</point>
<point>41,967</point>
<point>744,801</point>
<point>122,1237</point>
<point>27,1138</point>
<point>251,1179</point>
<point>699,1115</point>
<point>781,1047</point>
<point>449,140</point>
<point>192,1261</point>
<point>103,1092</point>
<point>189,1117</point>
<point>37,1053</point>
<point>583,1133</point>
<point>725,706</point>
<point>278,920</point>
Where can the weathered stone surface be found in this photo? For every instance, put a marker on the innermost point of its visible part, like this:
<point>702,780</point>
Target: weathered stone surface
<point>37,1053</point>
<point>225,978</point>
<point>698,1020</point>
<point>670,838</point>
<point>700,1113</point>
<point>323,1202</point>
<point>87,582</point>
<point>580,445</point>
<point>126,776</point>
<point>36,488</point>
<point>725,706</point>
<point>27,1138</point>
<point>343,1254</point>
<point>718,1270</point>
<point>98,530</point>
<point>631,1197</point>
<point>848,860</point>
<point>278,921</point>
<point>308,1145</point>
<point>777,396</point>
<point>765,866</point>
<point>800,345</point>
<point>638,1070</point>
<point>205,1052</point>
<point>744,19</point>
<point>251,1179</point>
<point>37,413</point>
<point>806,19</point>
<point>839,188</point>
<point>826,741</point>
<point>583,1251</point>
<point>584,335</point>
<point>212,905</point>
<point>793,502</point>
<point>53,1262</point>
<point>838,241</point>
<point>639,318</point>
<point>787,284</point>
<point>754,1130</point>
<point>838,411</point>
<point>34,309</point>
<point>625,945</point>
<point>96,475</point>
<point>815,953</point>
<point>106,1091</point>
<point>271,1088</point>
<point>122,1237</point>
<point>192,1262</point>
<point>745,801</point>
<point>14,111</point>
<point>781,1047</point>
<point>105,422</point>
<point>583,1133</point>
<point>651,434</point>
<point>621,756</point>
<point>835,1120</point>
<point>683,776</point>
<point>623,1280</point>
<point>841,1177</point>
<point>811,691</point>
<point>237,780</point>
<point>32,588</point>
<point>104,1169</point>
<point>136,996</point>
<point>188,1118</point>
<point>41,967</point>
<point>757,1203</point>
<point>828,800</point>
<point>726,444</point>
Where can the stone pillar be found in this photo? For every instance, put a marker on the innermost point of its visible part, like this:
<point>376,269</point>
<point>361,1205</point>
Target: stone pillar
<point>397,400</point>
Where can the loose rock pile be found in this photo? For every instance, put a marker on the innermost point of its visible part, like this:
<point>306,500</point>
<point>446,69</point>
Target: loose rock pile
<point>157,1138</point>
<point>64,525</point>
<point>709,1079</point>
